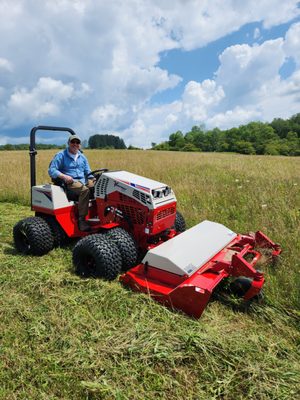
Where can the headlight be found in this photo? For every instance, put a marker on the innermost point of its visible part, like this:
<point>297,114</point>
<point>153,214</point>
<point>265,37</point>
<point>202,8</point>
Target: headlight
<point>159,193</point>
<point>167,191</point>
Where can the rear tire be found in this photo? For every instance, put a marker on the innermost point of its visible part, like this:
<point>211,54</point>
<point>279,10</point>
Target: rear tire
<point>126,246</point>
<point>97,256</point>
<point>33,236</point>
<point>180,224</point>
<point>59,235</point>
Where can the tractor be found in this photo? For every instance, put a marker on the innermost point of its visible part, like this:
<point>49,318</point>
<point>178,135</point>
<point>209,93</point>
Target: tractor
<point>139,235</point>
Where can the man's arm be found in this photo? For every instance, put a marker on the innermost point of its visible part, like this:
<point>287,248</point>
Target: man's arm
<point>54,169</point>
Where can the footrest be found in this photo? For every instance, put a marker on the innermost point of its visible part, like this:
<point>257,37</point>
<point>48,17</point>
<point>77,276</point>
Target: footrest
<point>94,221</point>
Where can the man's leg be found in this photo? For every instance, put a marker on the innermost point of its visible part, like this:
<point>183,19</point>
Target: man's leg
<point>83,204</point>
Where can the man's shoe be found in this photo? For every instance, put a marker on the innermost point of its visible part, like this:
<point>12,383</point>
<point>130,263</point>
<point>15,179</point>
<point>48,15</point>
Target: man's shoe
<point>83,225</point>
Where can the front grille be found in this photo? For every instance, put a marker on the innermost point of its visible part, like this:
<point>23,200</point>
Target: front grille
<point>165,213</point>
<point>135,215</point>
<point>126,199</point>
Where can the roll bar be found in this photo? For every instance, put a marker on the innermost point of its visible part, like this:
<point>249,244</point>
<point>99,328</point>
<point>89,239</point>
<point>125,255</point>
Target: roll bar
<point>32,149</point>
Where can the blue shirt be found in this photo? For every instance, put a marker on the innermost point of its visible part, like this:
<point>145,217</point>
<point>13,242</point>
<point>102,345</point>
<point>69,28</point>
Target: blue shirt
<point>64,163</point>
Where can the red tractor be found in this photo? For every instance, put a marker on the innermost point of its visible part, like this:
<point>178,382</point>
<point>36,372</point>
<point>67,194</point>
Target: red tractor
<point>137,232</point>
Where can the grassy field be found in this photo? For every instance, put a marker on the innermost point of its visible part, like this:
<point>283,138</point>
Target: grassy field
<point>63,337</point>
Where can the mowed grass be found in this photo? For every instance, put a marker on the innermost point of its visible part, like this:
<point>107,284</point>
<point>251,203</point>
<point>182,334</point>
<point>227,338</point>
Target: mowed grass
<point>63,337</point>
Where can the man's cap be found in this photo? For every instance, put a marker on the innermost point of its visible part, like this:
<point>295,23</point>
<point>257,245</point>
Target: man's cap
<point>72,137</point>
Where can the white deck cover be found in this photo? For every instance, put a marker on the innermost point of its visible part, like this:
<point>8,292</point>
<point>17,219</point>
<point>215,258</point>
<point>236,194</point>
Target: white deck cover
<point>187,252</point>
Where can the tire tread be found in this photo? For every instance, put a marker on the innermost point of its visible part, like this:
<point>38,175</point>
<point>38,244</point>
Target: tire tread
<point>33,235</point>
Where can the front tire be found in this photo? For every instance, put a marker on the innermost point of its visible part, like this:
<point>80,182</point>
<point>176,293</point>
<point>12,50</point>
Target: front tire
<point>126,246</point>
<point>33,236</point>
<point>97,256</point>
<point>180,224</point>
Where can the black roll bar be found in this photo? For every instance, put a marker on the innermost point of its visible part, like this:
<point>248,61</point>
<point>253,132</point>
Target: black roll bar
<point>32,149</point>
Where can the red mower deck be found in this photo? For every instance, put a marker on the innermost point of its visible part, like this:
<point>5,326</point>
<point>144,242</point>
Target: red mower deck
<point>175,278</point>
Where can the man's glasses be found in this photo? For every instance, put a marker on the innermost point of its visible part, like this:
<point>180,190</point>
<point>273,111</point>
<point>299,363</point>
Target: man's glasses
<point>75,141</point>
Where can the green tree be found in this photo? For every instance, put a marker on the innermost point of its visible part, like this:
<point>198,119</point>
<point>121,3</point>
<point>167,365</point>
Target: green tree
<point>279,137</point>
<point>281,127</point>
<point>244,147</point>
<point>131,147</point>
<point>212,139</point>
<point>272,148</point>
<point>162,146</point>
<point>176,141</point>
<point>196,136</point>
<point>283,147</point>
<point>293,143</point>
<point>231,137</point>
<point>106,141</point>
<point>189,147</point>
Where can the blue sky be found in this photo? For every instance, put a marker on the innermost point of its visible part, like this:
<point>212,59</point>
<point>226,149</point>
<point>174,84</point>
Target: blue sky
<point>201,64</point>
<point>144,69</point>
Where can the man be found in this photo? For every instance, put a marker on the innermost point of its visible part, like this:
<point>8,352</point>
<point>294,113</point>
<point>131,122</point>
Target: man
<point>72,167</point>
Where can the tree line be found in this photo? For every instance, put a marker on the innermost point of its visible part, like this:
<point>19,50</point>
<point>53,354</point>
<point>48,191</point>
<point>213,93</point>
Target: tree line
<point>25,146</point>
<point>280,137</point>
<point>94,142</point>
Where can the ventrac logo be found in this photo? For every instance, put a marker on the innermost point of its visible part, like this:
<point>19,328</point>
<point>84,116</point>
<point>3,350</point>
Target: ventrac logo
<point>120,186</point>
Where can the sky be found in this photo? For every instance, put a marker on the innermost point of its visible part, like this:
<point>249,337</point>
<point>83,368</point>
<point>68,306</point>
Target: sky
<point>143,69</point>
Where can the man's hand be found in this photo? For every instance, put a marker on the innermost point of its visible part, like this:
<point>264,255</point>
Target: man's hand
<point>68,179</point>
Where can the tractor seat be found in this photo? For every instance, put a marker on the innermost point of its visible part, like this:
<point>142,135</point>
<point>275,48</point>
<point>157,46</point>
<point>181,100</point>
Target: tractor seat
<point>72,196</point>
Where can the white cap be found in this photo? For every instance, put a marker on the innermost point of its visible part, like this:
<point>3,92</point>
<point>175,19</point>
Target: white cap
<point>72,137</point>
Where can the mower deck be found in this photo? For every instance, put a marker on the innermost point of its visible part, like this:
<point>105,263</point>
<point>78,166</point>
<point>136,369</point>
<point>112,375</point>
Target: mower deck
<point>174,277</point>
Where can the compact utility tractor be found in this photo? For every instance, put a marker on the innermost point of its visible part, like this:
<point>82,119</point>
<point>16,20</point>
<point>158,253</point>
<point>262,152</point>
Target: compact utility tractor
<point>138,233</point>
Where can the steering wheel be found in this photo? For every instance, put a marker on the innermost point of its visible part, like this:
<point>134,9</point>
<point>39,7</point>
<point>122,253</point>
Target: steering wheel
<point>98,172</point>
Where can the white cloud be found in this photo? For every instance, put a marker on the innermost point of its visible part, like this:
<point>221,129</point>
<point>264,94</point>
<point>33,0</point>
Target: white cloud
<point>256,33</point>
<point>244,69</point>
<point>105,117</point>
<point>134,84</point>
<point>195,23</point>
<point>282,99</point>
<point>235,117</point>
<point>276,12</point>
<point>292,42</point>
<point>154,124</point>
<point>7,139</point>
<point>93,65</point>
<point>5,65</point>
<point>247,87</point>
<point>42,101</point>
<point>199,97</point>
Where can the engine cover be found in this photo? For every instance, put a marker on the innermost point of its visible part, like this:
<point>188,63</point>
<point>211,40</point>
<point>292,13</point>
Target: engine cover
<point>148,192</point>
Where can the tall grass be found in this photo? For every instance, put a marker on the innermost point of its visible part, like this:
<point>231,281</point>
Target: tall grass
<point>67,338</point>
<point>245,193</point>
